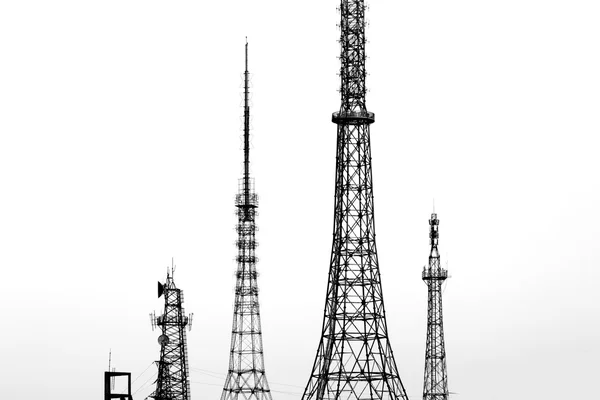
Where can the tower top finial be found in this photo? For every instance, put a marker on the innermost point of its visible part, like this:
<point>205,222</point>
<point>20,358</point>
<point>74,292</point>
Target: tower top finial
<point>246,132</point>
<point>433,232</point>
<point>246,198</point>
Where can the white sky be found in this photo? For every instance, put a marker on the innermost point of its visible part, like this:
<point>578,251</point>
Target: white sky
<point>120,148</point>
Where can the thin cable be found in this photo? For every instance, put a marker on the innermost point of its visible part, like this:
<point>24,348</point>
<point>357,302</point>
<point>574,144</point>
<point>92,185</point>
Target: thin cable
<point>218,375</point>
<point>209,373</point>
<point>275,391</point>
<point>144,384</point>
<point>138,377</point>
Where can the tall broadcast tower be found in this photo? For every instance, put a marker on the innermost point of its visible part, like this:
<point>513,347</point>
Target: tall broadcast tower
<point>435,386</point>
<point>172,382</point>
<point>246,379</point>
<point>354,358</point>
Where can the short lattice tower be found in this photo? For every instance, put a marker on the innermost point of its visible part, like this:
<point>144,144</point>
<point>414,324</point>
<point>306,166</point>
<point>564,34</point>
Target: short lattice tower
<point>246,378</point>
<point>435,385</point>
<point>354,359</point>
<point>172,382</point>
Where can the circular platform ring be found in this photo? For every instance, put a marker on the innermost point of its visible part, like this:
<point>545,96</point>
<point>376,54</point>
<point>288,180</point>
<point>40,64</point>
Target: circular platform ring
<point>353,117</point>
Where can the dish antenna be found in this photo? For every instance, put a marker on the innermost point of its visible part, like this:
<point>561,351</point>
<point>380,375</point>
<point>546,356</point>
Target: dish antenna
<point>163,340</point>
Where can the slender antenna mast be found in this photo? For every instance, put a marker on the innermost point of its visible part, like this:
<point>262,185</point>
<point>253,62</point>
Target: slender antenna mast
<point>112,379</point>
<point>435,386</point>
<point>246,378</point>
<point>246,132</point>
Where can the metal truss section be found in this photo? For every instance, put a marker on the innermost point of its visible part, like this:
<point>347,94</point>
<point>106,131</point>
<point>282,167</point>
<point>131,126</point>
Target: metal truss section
<point>354,359</point>
<point>172,382</point>
<point>435,385</point>
<point>352,57</point>
<point>246,378</point>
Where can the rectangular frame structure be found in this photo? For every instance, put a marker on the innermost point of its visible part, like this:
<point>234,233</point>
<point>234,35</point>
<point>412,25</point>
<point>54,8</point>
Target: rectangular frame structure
<point>108,395</point>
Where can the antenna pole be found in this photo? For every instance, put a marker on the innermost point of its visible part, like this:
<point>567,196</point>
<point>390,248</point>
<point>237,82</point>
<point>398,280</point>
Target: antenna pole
<point>435,386</point>
<point>246,378</point>
<point>246,131</point>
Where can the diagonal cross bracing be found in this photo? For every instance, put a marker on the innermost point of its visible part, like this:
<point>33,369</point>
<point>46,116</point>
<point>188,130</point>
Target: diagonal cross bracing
<point>354,359</point>
<point>246,378</point>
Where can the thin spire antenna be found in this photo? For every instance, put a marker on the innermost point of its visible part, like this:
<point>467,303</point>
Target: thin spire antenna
<point>435,384</point>
<point>112,378</point>
<point>246,132</point>
<point>246,378</point>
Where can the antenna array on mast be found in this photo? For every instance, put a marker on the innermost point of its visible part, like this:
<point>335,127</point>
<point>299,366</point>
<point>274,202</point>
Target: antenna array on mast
<point>246,378</point>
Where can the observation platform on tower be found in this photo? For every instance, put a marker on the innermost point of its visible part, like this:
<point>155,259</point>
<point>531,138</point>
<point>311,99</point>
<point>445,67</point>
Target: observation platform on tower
<point>353,117</point>
<point>240,200</point>
<point>246,187</point>
<point>434,274</point>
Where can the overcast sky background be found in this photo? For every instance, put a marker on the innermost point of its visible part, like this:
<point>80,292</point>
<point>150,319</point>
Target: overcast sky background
<point>120,148</point>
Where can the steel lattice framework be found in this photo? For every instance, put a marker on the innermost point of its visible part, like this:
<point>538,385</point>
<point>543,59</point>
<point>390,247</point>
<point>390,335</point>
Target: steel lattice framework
<point>172,382</point>
<point>246,378</point>
<point>435,385</point>
<point>354,359</point>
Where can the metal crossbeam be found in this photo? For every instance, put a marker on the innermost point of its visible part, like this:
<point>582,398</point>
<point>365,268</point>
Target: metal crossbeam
<point>354,359</point>
<point>246,378</point>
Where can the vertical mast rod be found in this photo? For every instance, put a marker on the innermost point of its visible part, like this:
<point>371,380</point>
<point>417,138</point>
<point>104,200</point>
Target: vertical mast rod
<point>246,135</point>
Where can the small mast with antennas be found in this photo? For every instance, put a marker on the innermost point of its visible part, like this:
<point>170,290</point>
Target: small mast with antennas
<point>172,382</point>
<point>109,382</point>
<point>112,379</point>
<point>435,386</point>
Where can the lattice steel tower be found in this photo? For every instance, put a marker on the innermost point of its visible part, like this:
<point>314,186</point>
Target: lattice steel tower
<point>246,379</point>
<point>435,386</point>
<point>354,359</point>
<point>172,382</point>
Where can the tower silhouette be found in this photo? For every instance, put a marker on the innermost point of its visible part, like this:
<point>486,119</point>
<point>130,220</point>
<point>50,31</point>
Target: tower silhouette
<point>172,382</point>
<point>246,379</point>
<point>354,359</point>
<point>435,385</point>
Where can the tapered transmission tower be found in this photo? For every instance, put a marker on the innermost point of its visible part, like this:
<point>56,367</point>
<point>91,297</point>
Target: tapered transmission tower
<point>354,359</point>
<point>246,379</point>
<point>172,382</point>
<point>435,385</point>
